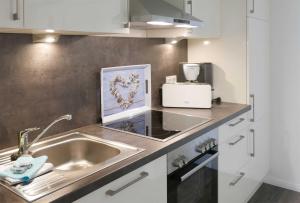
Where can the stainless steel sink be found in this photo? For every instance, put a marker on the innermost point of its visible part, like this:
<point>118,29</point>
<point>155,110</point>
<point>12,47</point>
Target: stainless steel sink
<point>78,154</point>
<point>74,157</point>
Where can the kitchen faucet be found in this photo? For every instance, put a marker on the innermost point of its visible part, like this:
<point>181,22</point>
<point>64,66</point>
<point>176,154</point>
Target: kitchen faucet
<point>23,144</point>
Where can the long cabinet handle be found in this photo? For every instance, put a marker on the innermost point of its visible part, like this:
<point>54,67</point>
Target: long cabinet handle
<point>253,150</point>
<point>237,141</point>
<point>236,123</point>
<point>252,96</point>
<point>252,10</point>
<point>191,7</point>
<point>127,7</point>
<point>16,15</point>
<point>114,192</point>
<point>238,179</point>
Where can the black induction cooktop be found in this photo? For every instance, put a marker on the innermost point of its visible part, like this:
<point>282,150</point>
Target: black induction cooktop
<point>157,125</point>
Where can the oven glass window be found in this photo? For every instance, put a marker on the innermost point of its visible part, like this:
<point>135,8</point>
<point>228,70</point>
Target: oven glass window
<point>201,187</point>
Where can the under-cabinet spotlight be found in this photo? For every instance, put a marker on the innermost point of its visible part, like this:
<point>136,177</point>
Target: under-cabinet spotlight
<point>206,42</point>
<point>45,38</point>
<point>49,30</point>
<point>173,41</point>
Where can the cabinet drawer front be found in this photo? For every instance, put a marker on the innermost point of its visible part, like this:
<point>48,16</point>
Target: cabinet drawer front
<point>148,183</point>
<point>252,179</point>
<point>230,128</point>
<point>232,187</point>
<point>234,152</point>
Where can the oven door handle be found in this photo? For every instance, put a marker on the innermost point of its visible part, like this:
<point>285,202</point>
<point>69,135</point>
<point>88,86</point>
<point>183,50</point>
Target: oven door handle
<point>194,170</point>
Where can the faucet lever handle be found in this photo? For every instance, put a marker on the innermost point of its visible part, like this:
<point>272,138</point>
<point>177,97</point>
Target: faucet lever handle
<point>23,142</point>
<point>29,130</point>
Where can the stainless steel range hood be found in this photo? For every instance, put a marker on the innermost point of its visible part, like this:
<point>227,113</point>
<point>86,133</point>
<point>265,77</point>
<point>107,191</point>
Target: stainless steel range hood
<point>149,14</point>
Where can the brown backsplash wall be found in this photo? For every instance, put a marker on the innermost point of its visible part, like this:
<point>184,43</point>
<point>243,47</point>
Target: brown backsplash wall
<point>39,82</point>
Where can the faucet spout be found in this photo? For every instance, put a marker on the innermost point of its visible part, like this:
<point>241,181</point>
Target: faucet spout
<point>23,137</point>
<point>65,117</point>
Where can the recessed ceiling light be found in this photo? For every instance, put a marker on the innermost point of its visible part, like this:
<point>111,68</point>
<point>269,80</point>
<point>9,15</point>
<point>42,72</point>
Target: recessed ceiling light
<point>159,23</point>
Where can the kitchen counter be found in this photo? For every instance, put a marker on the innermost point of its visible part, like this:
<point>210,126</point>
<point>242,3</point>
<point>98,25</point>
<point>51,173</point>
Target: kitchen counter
<point>153,150</point>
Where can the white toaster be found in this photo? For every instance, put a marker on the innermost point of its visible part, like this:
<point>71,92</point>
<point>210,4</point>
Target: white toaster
<point>187,95</point>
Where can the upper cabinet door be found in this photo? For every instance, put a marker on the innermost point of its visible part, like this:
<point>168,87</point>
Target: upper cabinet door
<point>258,9</point>
<point>210,12</point>
<point>91,16</point>
<point>11,13</point>
<point>258,67</point>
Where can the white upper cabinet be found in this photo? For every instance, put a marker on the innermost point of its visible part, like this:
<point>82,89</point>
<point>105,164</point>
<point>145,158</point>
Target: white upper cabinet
<point>210,12</point>
<point>258,9</point>
<point>11,14</point>
<point>100,17</point>
<point>91,16</point>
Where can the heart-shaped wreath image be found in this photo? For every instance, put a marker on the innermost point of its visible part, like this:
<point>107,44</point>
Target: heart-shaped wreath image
<point>132,83</point>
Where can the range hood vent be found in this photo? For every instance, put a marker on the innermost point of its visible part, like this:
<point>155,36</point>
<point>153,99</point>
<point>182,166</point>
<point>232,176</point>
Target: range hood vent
<point>149,14</point>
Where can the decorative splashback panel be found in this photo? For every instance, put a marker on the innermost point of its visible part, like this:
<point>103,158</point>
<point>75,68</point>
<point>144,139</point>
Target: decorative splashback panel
<point>125,89</point>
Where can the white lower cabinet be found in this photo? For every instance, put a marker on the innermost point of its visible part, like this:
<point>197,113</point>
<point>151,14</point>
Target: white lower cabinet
<point>232,187</point>
<point>147,184</point>
<point>244,158</point>
<point>233,152</point>
<point>238,186</point>
<point>239,170</point>
<point>233,127</point>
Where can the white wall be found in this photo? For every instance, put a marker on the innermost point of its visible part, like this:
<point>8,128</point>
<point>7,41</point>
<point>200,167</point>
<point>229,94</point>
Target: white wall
<point>285,94</point>
<point>227,53</point>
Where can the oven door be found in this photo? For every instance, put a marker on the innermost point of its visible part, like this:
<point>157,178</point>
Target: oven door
<point>196,182</point>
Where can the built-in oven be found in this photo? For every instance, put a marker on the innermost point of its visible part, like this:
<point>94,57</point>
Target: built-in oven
<point>193,171</point>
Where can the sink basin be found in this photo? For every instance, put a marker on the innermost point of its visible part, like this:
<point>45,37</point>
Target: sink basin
<point>77,154</point>
<point>74,156</point>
